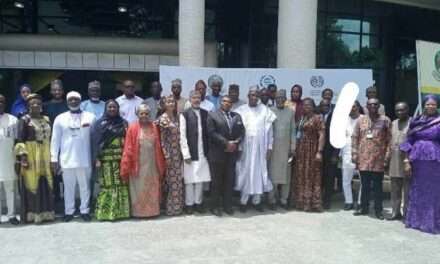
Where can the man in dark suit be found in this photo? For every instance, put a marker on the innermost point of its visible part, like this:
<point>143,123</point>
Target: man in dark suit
<point>226,130</point>
<point>330,155</point>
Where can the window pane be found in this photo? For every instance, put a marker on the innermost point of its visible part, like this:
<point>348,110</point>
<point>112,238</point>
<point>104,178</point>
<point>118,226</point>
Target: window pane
<point>344,24</point>
<point>370,26</point>
<point>371,53</point>
<point>342,49</point>
<point>322,5</point>
<point>345,6</point>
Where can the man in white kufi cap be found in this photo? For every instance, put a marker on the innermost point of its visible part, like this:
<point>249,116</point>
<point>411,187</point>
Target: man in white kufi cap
<point>70,150</point>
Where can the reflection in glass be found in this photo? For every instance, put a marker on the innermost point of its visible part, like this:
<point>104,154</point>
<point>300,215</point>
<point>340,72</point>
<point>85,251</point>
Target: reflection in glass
<point>344,24</point>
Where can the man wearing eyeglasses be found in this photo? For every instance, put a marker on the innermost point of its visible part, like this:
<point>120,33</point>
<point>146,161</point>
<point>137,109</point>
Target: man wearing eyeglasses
<point>129,102</point>
<point>371,152</point>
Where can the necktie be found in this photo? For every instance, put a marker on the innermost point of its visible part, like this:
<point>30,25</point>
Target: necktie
<point>228,119</point>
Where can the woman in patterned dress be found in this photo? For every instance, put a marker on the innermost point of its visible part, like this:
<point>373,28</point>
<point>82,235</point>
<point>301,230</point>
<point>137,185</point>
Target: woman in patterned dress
<point>143,165</point>
<point>169,135</point>
<point>36,182</point>
<point>308,165</point>
<point>107,136</point>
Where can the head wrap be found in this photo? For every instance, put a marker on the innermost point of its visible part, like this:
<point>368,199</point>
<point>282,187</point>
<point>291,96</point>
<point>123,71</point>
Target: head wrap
<point>430,97</point>
<point>34,96</point>
<point>106,129</point>
<point>73,94</point>
<point>19,105</point>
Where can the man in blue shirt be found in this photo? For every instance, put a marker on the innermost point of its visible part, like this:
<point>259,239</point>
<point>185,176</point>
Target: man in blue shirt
<point>215,82</point>
<point>94,105</point>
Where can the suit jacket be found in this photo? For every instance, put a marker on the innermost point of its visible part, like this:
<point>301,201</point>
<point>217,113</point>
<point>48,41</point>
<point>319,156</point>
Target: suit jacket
<point>219,133</point>
<point>329,150</point>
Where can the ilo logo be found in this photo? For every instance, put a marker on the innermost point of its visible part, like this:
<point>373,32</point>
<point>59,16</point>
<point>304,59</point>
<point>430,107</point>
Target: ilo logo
<point>267,80</point>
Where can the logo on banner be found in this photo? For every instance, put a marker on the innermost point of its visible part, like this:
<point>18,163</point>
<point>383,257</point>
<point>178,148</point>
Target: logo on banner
<point>266,80</point>
<point>436,72</point>
<point>317,81</point>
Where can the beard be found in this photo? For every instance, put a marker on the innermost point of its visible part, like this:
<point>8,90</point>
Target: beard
<point>73,108</point>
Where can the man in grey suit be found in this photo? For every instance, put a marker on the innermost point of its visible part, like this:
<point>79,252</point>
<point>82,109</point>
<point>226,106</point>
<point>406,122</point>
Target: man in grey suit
<point>226,130</point>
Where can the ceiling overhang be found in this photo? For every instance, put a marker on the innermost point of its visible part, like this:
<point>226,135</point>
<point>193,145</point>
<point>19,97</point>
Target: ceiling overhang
<point>429,4</point>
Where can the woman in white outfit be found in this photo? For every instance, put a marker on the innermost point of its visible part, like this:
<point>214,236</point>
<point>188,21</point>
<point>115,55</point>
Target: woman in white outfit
<point>348,168</point>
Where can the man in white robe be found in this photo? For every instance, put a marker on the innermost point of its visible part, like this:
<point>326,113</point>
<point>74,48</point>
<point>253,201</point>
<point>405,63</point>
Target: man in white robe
<point>70,149</point>
<point>129,102</point>
<point>252,174</point>
<point>8,179</point>
<point>194,147</point>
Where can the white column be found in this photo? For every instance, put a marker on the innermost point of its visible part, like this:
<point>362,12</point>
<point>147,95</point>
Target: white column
<point>191,32</point>
<point>297,33</point>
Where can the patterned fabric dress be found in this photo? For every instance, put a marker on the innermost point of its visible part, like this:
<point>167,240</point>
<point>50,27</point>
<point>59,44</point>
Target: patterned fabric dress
<point>36,184</point>
<point>113,201</point>
<point>307,189</point>
<point>145,187</point>
<point>169,135</point>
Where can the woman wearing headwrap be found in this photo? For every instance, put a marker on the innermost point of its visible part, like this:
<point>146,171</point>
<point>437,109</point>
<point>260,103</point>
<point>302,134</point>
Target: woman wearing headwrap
<point>423,164</point>
<point>36,182</point>
<point>143,164</point>
<point>107,136</point>
<point>296,103</point>
<point>19,107</point>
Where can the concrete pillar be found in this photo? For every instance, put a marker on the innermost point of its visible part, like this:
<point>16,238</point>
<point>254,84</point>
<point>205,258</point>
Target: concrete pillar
<point>296,46</point>
<point>191,32</point>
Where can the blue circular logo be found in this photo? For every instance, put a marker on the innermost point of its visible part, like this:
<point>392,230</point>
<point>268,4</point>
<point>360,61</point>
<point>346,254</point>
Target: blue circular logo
<point>317,81</point>
<point>266,80</point>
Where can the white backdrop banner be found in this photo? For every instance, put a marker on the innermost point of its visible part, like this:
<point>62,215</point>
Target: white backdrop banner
<point>313,81</point>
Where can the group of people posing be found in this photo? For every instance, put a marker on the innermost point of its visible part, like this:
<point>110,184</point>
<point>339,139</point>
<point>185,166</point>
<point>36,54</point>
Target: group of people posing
<point>137,158</point>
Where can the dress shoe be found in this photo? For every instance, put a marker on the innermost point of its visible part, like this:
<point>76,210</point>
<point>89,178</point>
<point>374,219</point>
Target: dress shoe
<point>189,210</point>
<point>86,217</point>
<point>395,217</point>
<point>14,221</point>
<point>259,207</point>
<point>272,207</point>
<point>216,211</point>
<point>200,209</point>
<point>348,207</point>
<point>243,208</point>
<point>68,218</point>
<point>229,211</point>
<point>360,212</point>
<point>379,216</point>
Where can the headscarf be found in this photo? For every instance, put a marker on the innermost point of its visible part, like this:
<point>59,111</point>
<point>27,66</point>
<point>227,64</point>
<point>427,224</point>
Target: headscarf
<point>299,103</point>
<point>106,129</point>
<point>423,121</point>
<point>19,107</point>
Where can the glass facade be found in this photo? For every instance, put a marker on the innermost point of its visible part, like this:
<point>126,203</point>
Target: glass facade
<point>376,35</point>
<point>350,33</point>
